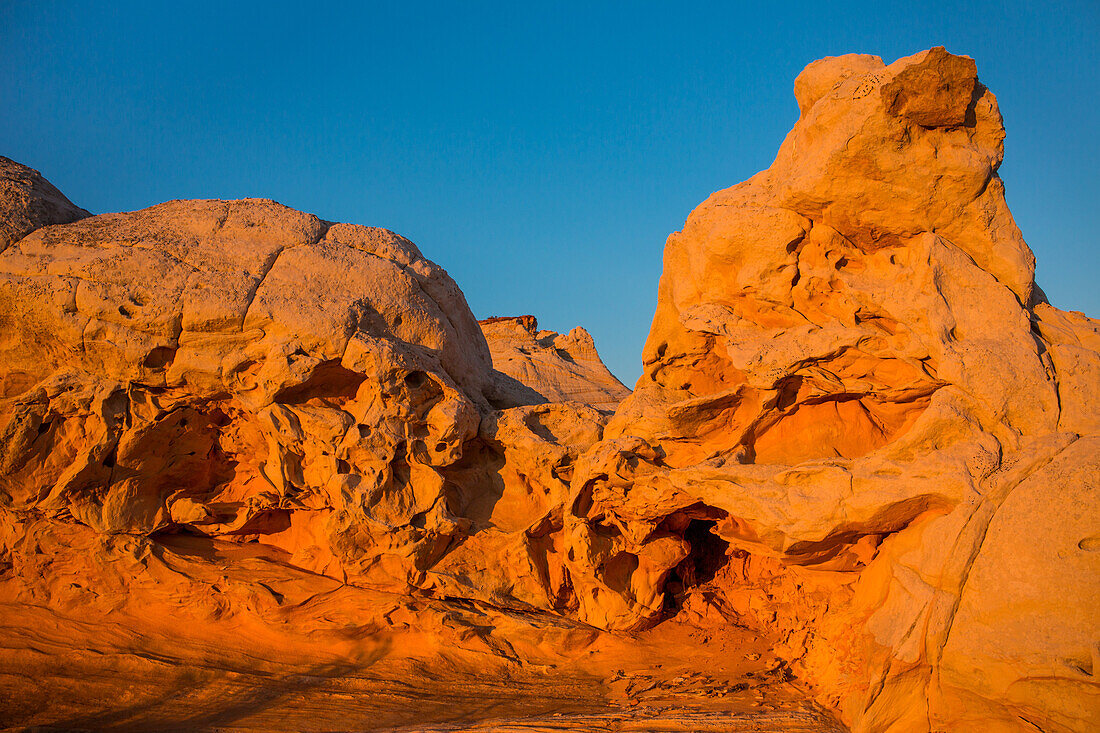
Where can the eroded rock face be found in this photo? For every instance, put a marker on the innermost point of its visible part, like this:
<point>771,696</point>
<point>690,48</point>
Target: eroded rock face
<point>243,371</point>
<point>239,369</point>
<point>850,384</point>
<point>550,367</point>
<point>861,433</point>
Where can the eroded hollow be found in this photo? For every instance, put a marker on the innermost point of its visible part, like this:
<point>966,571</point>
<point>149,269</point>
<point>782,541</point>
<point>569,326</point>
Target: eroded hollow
<point>330,382</point>
<point>708,555</point>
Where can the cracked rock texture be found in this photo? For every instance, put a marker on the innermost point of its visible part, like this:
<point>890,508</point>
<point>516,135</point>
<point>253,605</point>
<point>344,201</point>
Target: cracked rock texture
<point>862,455</point>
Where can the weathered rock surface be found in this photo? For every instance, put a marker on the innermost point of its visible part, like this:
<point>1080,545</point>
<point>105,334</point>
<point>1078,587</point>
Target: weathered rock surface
<point>856,395</point>
<point>230,427</point>
<point>862,452</point>
<point>239,368</point>
<point>554,367</point>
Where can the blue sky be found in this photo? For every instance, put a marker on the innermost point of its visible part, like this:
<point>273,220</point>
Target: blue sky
<point>541,153</point>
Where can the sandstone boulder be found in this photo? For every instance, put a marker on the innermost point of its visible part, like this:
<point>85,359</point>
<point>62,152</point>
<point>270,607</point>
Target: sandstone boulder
<point>239,369</point>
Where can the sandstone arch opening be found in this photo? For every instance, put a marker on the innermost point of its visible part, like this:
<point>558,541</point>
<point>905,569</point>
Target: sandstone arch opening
<point>708,555</point>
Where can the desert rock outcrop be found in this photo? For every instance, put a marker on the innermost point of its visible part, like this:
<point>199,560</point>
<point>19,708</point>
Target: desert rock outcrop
<point>248,455</point>
<point>862,451</point>
<point>239,368</point>
<point>28,201</point>
<point>853,385</point>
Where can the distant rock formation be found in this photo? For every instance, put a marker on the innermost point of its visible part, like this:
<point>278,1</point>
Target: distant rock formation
<point>556,367</point>
<point>28,201</point>
<point>863,452</point>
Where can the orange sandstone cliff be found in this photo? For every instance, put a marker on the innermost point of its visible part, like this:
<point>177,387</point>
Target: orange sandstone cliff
<point>272,467</point>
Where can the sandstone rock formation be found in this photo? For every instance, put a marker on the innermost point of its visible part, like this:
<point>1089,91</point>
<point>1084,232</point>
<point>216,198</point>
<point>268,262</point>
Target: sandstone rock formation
<point>556,367</point>
<point>228,428</point>
<point>240,369</point>
<point>28,201</point>
<point>853,384</point>
<point>863,452</point>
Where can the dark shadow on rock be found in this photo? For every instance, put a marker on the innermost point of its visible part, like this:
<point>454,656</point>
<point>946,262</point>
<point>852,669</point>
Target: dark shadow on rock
<point>504,391</point>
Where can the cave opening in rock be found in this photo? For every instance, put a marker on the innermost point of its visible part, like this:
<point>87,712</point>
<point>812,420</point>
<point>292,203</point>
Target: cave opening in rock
<point>708,555</point>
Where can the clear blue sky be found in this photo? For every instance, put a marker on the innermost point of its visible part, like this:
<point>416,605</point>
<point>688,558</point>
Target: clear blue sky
<point>540,152</point>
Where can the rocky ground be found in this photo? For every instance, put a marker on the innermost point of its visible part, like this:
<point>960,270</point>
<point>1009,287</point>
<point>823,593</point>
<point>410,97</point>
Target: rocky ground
<point>188,633</point>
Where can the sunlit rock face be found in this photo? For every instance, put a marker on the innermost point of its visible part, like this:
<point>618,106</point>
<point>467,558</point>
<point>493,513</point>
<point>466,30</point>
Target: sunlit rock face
<point>863,450</point>
<point>549,366</point>
<point>240,369</point>
<point>246,372</point>
<point>851,384</point>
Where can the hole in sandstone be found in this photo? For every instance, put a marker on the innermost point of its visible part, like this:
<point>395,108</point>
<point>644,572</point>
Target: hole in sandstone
<point>396,321</point>
<point>43,427</point>
<point>707,556</point>
<point>329,381</point>
<point>583,503</point>
<point>414,379</point>
<point>123,311</point>
<point>617,571</point>
<point>1089,544</point>
<point>440,447</point>
<point>218,418</point>
<point>271,521</point>
<point>841,262</point>
<point>364,430</point>
<point>605,530</point>
<point>342,466</point>
<point>159,357</point>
